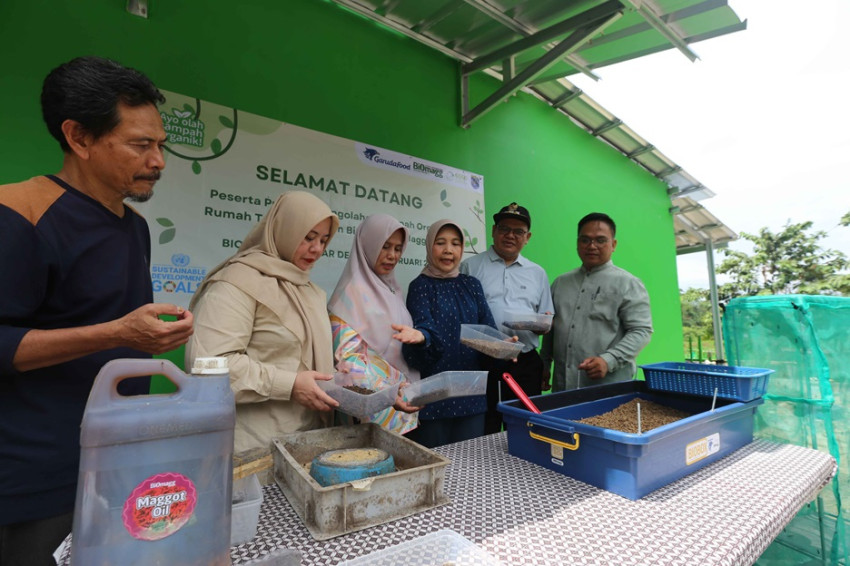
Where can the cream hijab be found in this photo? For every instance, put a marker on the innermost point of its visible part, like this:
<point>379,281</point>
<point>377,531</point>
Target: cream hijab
<point>433,230</point>
<point>262,268</point>
<point>369,302</point>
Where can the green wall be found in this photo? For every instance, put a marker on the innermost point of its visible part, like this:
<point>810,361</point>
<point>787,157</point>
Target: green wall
<point>316,65</point>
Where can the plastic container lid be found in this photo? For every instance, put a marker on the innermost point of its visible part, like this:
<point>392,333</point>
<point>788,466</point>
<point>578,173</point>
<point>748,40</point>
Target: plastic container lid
<point>357,398</point>
<point>445,385</point>
<point>439,548</point>
<point>535,322</point>
<point>489,341</point>
<point>209,366</point>
<point>279,557</point>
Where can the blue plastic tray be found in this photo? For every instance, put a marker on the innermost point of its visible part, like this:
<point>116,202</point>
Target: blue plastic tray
<point>732,382</point>
<point>630,465</point>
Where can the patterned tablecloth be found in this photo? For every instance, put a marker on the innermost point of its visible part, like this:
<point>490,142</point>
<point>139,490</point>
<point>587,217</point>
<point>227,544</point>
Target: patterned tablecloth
<point>520,513</point>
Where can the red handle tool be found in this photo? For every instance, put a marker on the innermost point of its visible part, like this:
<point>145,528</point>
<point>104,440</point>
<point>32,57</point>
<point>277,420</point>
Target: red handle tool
<point>515,387</point>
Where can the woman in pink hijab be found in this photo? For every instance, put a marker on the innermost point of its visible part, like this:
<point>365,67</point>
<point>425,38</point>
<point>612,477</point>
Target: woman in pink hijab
<point>369,320</point>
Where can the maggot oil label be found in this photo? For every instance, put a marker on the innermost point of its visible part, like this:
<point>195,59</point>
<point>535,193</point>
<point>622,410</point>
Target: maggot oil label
<point>159,506</point>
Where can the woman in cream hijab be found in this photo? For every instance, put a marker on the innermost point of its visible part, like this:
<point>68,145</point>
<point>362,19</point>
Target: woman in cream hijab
<point>369,321</point>
<point>260,310</point>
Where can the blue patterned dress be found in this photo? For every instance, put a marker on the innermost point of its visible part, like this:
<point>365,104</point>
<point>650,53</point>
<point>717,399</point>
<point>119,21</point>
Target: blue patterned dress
<point>438,308</point>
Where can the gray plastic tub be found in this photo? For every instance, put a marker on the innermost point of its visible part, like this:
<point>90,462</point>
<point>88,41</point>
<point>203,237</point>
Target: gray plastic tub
<point>335,510</point>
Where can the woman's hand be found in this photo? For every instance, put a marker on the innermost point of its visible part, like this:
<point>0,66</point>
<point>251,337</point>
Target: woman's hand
<point>512,339</point>
<point>407,334</point>
<point>307,392</point>
<point>402,405</point>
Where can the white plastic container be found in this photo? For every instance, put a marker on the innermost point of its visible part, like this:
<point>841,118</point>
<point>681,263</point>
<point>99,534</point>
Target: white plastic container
<point>444,385</point>
<point>357,404</point>
<point>155,470</point>
<point>439,548</point>
<point>489,341</point>
<point>247,500</point>
<point>516,320</point>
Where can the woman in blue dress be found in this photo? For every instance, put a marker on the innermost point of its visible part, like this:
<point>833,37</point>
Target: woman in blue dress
<point>440,299</point>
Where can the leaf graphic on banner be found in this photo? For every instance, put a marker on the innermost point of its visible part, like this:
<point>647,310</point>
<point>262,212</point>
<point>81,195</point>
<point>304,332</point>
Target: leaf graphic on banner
<point>226,121</point>
<point>196,168</point>
<point>469,241</point>
<point>167,235</point>
<point>188,107</point>
<point>215,146</point>
<point>443,194</point>
<point>446,204</point>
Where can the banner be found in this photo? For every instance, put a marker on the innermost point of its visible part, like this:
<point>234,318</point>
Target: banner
<point>226,167</point>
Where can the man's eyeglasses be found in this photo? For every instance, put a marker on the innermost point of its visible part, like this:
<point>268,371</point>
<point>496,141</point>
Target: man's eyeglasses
<point>505,230</point>
<point>600,241</point>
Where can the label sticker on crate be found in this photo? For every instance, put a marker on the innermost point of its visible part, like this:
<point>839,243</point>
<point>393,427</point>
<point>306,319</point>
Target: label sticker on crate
<point>702,448</point>
<point>557,454</point>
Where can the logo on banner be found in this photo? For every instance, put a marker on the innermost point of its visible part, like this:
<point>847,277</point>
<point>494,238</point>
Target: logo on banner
<point>179,277</point>
<point>375,156</point>
<point>182,128</point>
<point>428,169</point>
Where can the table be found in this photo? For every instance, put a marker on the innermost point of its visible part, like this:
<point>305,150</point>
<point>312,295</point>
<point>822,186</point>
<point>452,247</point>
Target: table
<point>520,513</point>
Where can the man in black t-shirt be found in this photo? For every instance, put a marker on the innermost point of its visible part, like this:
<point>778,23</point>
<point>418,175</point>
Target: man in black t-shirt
<point>75,290</point>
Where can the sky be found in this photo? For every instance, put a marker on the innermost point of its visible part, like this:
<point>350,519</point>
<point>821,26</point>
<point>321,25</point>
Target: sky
<point>761,119</point>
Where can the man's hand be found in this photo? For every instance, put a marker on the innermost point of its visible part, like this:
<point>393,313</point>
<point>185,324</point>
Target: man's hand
<point>305,391</point>
<point>545,379</point>
<point>142,329</point>
<point>595,367</point>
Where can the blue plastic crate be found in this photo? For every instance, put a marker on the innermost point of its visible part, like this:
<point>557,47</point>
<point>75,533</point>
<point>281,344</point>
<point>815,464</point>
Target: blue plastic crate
<point>732,382</point>
<point>630,465</point>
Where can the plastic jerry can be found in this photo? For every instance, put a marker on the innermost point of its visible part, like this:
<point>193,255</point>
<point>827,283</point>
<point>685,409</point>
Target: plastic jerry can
<point>156,471</point>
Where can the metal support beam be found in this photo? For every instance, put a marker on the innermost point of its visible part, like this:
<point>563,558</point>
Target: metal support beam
<point>688,190</point>
<point>669,171</point>
<point>523,29</point>
<point>715,304</point>
<point>651,14</point>
<point>570,43</point>
<point>404,30</point>
<point>615,123</point>
<point>640,151</point>
<point>582,20</point>
<point>566,97</point>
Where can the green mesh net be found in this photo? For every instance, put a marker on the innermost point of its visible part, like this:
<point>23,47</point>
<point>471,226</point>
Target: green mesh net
<point>806,340</point>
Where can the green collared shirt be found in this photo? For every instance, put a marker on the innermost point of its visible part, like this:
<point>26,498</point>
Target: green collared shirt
<point>604,312</point>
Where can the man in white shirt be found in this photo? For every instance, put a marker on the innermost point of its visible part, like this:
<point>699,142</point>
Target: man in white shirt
<point>514,283</point>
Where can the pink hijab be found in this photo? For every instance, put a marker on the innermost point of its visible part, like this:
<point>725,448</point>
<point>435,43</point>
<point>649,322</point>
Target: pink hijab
<point>369,302</point>
<point>433,230</point>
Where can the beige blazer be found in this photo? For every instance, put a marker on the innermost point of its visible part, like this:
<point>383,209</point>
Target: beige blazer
<point>264,354</point>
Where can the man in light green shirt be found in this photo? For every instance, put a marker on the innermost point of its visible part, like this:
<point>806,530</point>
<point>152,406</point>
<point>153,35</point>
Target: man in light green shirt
<point>602,316</point>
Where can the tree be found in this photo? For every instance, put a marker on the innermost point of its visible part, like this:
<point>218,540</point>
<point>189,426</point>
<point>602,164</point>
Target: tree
<point>696,313</point>
<point>790,261</point>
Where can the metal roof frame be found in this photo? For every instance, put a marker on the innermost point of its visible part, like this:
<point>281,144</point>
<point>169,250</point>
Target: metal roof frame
<point>534,45</point>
